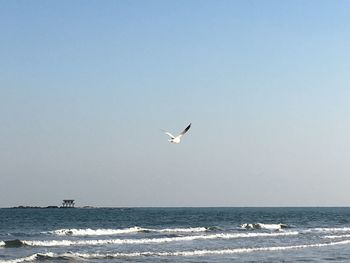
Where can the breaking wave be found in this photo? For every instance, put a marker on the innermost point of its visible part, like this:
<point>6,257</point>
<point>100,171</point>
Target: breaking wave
<point>95,232</point>
<point>106,232</point>
<point>337,236</point>
<point>11,243</point>
<point>55,243</point>
<point>183,230</point>
<point>84,256</point>
<point>265,226</point>
<point>328,229</point>
<point>19,260</point>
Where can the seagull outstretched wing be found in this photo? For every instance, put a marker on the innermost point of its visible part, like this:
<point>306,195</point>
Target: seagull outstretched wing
<point>168,133</point>
<point>177,139</point>
<point>185,130</point>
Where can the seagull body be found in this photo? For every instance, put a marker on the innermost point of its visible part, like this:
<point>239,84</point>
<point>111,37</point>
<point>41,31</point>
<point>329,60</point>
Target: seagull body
<point>177,139</point>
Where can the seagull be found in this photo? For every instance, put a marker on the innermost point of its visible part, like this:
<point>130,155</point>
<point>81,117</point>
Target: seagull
<point>177,139</point>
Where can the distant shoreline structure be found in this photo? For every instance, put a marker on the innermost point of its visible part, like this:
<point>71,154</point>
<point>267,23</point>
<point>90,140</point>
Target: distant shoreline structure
<point>45,207</point>
<point>38,207</point>
<point>67,203</point>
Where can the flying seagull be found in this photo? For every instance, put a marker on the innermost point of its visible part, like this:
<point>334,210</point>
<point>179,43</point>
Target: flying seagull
<point>177,139</point>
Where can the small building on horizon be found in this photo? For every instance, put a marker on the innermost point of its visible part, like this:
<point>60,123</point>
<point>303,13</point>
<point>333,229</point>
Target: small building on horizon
<point>68,203</point>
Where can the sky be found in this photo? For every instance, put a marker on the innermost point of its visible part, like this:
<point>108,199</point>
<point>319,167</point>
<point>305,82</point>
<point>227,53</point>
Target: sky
<point>86,86</point>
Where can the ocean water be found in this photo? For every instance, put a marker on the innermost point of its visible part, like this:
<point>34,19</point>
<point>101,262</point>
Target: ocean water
<point>175,235</point>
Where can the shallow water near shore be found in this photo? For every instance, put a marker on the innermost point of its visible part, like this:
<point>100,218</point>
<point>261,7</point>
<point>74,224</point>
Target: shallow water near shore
<point>175,235</point>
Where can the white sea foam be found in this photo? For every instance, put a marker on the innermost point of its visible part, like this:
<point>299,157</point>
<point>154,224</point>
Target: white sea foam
<point>54,243</point>
<point>264,226</point>
<point>107,232</point>
<point>95,232</point>
<point>337,236</point>
<point>181,230</point>
<point>2,244</point>
<point>19,260</point>
<point>175,253</point>
<point>328,229</point>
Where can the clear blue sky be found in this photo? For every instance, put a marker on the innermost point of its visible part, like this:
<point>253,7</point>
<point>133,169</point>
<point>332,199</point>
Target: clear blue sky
<point>86,85</point>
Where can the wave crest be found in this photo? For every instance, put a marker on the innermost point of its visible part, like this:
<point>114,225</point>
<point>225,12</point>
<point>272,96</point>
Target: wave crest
<point>337,236</point>
<point>55,243</point>
<point>329,229</point>
<point>87,256</point>
<point>183,230</point>
<point>265,226</point>
<point>11,243</point>
<point>19,260</point>
<point>94,232</point>
<point>135,229</point>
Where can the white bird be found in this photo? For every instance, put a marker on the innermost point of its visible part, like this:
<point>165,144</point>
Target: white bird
<point>177,139</point>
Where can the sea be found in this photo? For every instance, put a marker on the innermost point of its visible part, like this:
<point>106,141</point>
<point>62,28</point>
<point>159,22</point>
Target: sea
<point>175,235</point>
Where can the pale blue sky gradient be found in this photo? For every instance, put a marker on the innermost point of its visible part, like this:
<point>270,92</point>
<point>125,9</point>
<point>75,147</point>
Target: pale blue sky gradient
<point>85,87</point>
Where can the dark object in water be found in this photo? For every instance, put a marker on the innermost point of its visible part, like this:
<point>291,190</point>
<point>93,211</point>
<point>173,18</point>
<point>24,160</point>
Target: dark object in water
<point>14,243</point>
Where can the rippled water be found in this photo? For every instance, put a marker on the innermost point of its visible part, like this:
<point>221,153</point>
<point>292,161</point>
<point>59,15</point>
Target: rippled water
<point>175,235</point>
